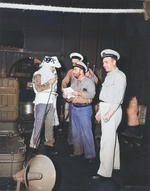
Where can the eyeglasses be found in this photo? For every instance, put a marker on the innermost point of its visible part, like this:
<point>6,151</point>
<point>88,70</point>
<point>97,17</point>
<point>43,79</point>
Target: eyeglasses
<point>49,59</point>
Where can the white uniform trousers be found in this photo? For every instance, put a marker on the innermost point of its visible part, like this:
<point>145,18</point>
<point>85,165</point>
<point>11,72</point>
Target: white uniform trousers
<point>109,145</point>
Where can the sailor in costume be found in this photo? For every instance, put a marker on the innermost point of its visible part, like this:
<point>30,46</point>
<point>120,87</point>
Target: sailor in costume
<point>45,87</point>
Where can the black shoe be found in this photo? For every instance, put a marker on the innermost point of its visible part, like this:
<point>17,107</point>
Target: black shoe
<point>100,178</point>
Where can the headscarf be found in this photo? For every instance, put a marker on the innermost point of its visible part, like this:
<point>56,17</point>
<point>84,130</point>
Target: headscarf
<point>44,71</point>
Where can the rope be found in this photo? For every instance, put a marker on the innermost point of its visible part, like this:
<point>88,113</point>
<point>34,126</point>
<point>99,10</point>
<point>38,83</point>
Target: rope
<point>67,9</point>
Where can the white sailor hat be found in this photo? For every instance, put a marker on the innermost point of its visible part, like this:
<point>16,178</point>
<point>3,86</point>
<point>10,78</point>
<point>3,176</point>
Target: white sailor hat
<point>51,61</point>
<point>76,56</point>
<point>110,53</point>
<point>81,65</point>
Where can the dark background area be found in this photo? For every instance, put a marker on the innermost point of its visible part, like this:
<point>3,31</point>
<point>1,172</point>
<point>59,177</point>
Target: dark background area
<point>25,33</point>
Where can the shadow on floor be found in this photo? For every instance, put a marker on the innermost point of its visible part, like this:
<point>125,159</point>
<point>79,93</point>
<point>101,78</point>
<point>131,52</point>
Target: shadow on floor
<point>75,173</point>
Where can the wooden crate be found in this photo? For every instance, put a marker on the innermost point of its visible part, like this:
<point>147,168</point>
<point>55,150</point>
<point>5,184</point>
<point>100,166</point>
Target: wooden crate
<point>9,99</point>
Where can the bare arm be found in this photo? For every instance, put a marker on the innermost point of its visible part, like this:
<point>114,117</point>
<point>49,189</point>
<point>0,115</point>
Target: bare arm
<point>92,76</point>
<point>67,79</point>
<point>45,86</point>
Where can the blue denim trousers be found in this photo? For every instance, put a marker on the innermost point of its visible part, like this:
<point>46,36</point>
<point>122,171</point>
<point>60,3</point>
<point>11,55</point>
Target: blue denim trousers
<point>81,130</point>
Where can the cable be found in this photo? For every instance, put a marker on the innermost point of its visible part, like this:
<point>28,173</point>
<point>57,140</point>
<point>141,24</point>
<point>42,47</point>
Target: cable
<point>67,9</point>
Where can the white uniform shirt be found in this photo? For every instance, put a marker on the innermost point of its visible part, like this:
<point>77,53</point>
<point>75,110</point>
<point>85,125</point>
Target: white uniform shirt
<point>46,96</point>
<point>113,88</point>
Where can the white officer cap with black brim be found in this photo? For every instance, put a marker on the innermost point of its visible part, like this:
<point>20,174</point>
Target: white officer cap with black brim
<point>110,53</point>
<point>51,61</point>
<point>81,65</point>
<point>76,55</point>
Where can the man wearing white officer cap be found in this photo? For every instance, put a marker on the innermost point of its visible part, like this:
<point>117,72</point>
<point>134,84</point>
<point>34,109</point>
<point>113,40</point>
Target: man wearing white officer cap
<point>45,87</point>
<point>81,113</point>
<point>75,57</point>
<point>110,114</point>
<point>110,53</point>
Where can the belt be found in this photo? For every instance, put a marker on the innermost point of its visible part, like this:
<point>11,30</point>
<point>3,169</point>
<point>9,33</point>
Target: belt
<point>81,105</point>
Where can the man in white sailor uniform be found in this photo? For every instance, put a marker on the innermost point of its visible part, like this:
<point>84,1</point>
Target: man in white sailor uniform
<point>45,87</point>
<point>110,114</point>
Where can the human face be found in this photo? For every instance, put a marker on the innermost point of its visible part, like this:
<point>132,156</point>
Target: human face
<point>74,61</point>
<point>109,64</point>
<point>76,72</point>
<point>52,68</point>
